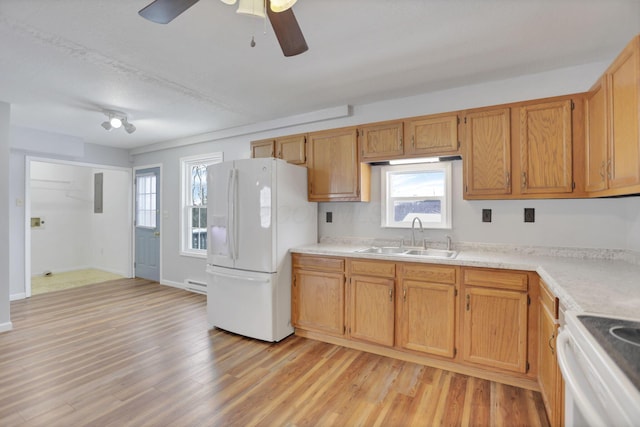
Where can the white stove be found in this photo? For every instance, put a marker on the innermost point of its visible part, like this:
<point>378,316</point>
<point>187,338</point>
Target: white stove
<point>599,357</point>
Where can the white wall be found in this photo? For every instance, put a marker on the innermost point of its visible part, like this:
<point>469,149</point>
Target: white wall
<point>43,145</point>
<point>574,223</point>
<point>62,195</point>
<point>579,223</point>
<point>5,246</point>
<point>111,242</point>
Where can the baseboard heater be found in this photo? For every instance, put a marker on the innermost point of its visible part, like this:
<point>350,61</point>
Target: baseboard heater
<point>195,286</point>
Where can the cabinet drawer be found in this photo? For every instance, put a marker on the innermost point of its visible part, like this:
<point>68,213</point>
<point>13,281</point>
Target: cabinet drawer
<point>430,273</point>
<point>372,268</point>
<point>497,279</point>
<point>548,299</point>
<point>318,262</point>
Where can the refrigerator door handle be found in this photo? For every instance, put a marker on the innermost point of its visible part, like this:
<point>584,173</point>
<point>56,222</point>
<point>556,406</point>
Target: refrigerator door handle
<point>230,209</point>
<point>234,214</point>
<point>249,279</point>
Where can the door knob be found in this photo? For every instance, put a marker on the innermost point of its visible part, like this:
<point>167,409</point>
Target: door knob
<point>157,233</point>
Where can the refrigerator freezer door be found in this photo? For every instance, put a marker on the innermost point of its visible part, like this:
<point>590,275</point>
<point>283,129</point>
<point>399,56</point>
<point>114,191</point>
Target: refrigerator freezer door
<point>244,303</point>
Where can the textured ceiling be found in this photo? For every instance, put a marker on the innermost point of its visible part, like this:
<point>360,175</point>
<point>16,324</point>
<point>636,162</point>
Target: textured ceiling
<point>63,61</point>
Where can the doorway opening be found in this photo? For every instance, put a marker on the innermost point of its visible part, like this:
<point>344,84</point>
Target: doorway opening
<point>79,220</point>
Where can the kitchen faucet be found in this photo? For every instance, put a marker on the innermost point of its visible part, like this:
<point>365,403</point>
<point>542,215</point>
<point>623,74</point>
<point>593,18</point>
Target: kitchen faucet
<point>413,230</point>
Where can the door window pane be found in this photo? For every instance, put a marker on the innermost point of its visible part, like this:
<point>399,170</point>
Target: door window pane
<point>146,201</point>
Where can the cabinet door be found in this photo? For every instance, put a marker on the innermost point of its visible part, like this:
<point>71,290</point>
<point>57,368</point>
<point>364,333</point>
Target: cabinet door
<point>263,148</point>
<point>427,317</point>
<point>381,141</point>
<point>334,170</point>
<point>596,139</point>
<point>495,328</point>
<point>546,148</point>
<point>292,148</point>
<point>624,93</point>
<point>488,153</point>
<point>372,310</point>
<point>547,364</point>
<point>432,135</point>
<point>318,301</point>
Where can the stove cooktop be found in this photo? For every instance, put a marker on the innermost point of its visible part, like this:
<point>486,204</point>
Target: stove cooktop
<point>621,341</point>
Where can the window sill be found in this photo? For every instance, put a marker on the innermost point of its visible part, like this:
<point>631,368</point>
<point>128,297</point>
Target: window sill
<point>194,254</point>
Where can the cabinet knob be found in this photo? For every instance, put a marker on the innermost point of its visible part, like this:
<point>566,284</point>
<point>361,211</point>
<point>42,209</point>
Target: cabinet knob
<point>391,295</point>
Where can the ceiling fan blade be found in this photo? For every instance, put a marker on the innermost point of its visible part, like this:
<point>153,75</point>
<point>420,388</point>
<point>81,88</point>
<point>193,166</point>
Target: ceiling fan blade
<point>165,11</point>
<point>287,31</point>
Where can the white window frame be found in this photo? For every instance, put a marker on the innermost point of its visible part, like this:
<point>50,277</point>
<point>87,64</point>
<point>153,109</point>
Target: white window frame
<point>387,202</point>
<point>186,163</point>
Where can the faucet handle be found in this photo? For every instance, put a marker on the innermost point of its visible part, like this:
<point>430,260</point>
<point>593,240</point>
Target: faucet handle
<point>448,236</point>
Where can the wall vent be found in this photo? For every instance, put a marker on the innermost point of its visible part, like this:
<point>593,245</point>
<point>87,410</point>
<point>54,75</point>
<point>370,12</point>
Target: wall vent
<point>195,286</point>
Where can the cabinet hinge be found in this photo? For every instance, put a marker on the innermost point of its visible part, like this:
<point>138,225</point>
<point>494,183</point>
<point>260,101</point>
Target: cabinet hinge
<point>357,133</point>
<point>573,106</point>
<point>455,351</point>
<point>573,185</point>
<point>528,366</point>
<point>528,300</point>
<point>344,330</point>
<point>455,292</point>
<point>458,145</point>
<point>458,118</point>
<point>465,120</point>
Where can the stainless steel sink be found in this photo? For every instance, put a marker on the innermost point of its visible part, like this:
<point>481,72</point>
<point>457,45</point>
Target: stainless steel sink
<point>432,253</point>
<point>384,250</point>
<point>425,253</point>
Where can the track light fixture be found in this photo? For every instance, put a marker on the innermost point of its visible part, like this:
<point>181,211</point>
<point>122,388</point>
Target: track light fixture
<point>117,119</point>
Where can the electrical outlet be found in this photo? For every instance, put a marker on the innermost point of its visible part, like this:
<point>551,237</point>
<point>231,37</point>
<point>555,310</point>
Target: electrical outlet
<point>486,215</point>
<point>529,215</point>
<point>329,217</point>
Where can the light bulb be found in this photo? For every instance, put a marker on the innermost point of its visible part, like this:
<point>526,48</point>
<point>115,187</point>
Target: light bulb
<point>115,122</point>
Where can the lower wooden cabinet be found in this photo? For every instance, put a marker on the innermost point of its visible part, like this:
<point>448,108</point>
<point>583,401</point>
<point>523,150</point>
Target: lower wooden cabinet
<point>427,309</point>
<point>495,319</point>
<point>318,294</point>
<point>549,376</point>
<point>371,308</point>
<point>472,320</point>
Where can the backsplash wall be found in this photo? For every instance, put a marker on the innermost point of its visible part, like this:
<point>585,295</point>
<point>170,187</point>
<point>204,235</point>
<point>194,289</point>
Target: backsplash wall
<point>612,223</point>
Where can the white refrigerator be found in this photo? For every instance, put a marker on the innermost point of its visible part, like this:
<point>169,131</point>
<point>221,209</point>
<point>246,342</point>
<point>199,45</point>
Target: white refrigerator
<point>257,210</point>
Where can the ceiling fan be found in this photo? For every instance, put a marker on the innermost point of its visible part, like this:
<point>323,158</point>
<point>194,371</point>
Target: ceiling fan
<point>284,22</point>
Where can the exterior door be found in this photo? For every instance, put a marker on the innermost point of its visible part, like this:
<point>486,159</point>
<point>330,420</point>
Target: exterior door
<point>147,224</point>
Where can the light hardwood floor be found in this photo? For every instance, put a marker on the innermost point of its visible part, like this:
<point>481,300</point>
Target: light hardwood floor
<point>132,352</point>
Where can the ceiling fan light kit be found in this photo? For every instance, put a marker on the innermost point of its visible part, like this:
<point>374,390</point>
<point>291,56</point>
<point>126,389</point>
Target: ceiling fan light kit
<point>281,5</point>
<point>280,14</point>
<point>250,7</point>
<point>117,119</point>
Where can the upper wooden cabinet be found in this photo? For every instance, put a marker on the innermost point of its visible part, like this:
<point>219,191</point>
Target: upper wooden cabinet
<point>263,148</point>
<point>291,148</point>
<point>523,150</point>
<point>432,135</point>
<point>335,173</point>
<point>595,138</point>
<point>546,148</point>
<point>381,141</point>
<point>613,127</point>
<point>487,156</point>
